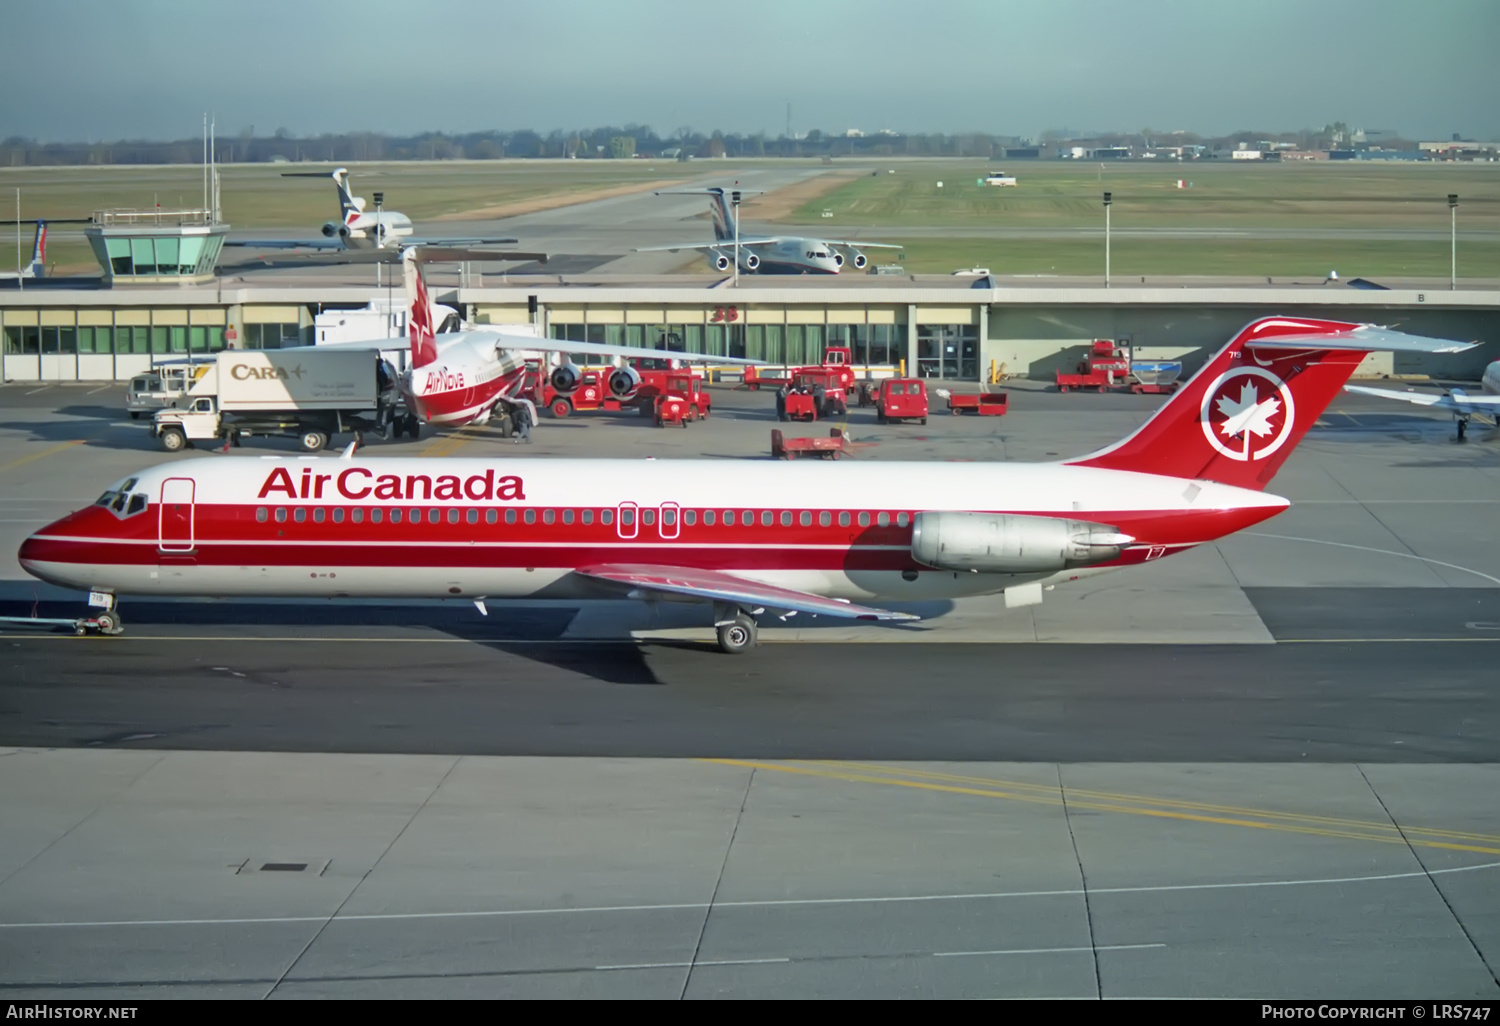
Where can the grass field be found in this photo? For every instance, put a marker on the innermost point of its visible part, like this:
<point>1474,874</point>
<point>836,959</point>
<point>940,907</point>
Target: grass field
<point>1060,194</point>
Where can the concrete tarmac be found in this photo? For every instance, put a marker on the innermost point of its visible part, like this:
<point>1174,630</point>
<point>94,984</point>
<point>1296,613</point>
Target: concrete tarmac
<point>1263,769</point>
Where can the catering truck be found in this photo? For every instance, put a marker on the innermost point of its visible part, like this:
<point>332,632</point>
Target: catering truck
<point>305,393</point>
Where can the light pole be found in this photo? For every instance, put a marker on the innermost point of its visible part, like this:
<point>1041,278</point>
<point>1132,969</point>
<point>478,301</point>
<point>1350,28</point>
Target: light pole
<point>1108,198</point>
<point>379,235</point>
<point>734,206</point>
<point>1453,241</point>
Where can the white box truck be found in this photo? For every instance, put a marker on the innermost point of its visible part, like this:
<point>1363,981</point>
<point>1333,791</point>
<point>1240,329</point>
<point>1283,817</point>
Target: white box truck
<point>305,393</point>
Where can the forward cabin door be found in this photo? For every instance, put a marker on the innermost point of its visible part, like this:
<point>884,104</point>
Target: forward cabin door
<point>175,516</point>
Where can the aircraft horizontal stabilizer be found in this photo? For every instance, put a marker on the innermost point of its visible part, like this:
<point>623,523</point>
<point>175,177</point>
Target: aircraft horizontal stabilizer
<point>1455,400</point>
<point>716,586</point>
<point>1366,337</point>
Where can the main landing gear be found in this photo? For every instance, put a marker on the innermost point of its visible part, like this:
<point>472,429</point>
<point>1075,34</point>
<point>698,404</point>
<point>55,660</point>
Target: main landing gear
<point>737,629</point>
<point>1463,426</point>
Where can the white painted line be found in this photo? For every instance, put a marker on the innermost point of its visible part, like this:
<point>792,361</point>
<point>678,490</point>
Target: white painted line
<point>694,965</point>
<point>1046,951</point>
<point>1367,548</point>
<point>34,391</point>
<point>100,388</point>
<point>773,903</point>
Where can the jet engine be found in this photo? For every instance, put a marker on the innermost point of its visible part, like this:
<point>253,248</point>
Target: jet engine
<point>566,377</point>
<point>838,259</point>
<point>332,229</point>
<point>721,262</point>
<point>860,260</point>
<point>752,262</point>
<point>623,381</point>
<point>1006,543</point>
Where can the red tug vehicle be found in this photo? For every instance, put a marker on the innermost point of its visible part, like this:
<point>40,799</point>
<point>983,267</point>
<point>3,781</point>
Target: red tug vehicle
<point>1108,366</point>
<point>813,392</point>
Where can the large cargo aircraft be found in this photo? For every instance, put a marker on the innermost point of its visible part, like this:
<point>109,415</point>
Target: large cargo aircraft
<point>1456,400</point>
<point>747,538</point>
<point>767,254</point>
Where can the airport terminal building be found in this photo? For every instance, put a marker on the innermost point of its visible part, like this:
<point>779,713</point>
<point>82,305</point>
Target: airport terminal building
<point>936,328</point>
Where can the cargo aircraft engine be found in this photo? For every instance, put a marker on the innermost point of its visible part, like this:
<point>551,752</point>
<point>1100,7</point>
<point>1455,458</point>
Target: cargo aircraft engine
<point>623,381</point>
<point>838,258</point>
<point>860,260</point>
<point>752,262</point>
<point>1006,543</point>
<point>721,262</point>
<point>566,377</point>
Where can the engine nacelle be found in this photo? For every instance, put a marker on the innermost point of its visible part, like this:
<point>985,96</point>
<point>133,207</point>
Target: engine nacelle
<point>1006,543</point>
<point>622,382</point>
<point>838,259</point>
<point>860,260</point>
<point>721,262</point>
<point>332,229</point>
<point>752,262</point>
<point>565,378</point>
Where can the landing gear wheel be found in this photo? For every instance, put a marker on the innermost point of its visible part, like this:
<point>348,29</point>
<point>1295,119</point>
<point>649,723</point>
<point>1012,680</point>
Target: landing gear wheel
<point>739,635</point>
<point>507,425</point>
<point>1463,427</point>
<point>413,427</point>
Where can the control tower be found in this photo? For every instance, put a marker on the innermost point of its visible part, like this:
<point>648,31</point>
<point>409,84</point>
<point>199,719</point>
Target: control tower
<point>156,247</point>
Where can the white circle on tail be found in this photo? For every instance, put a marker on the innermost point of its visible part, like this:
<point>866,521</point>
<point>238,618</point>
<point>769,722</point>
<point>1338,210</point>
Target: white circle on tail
<point>1247,414</point>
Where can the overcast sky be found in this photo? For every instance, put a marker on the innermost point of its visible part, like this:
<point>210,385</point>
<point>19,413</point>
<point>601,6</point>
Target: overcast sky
<point>109,69</point>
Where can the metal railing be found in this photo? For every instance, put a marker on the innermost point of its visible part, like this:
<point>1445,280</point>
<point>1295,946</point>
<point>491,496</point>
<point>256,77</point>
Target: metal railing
<point>135,218</point>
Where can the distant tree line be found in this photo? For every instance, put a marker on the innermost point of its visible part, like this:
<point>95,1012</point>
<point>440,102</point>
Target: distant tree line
<point>631,141</point>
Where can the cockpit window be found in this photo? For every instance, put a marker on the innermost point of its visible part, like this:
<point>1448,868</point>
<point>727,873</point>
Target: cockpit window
<point>137,503</point>
<point>119,504</point>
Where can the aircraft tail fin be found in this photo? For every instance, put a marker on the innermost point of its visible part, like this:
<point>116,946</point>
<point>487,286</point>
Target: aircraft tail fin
<point>419,321</point>
<point>38,266</point>
<point>1239,418</point>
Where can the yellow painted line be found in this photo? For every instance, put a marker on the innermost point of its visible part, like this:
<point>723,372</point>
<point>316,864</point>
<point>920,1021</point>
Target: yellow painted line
<point>50,450</point>
<point>1179,803</point>
<point>449,444</point>
<point>1057,801</point>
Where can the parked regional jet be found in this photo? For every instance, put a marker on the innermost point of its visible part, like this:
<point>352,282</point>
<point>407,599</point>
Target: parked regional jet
<point>358,229</point>
<point>1460,402</point>
<point>468,376</point>
<point>767,254</point>
<point>747,538</point>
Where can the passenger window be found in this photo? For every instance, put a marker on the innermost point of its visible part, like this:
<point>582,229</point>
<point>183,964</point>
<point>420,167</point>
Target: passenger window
<point>864,520</point>
<point>395,516</point>
<point>376,514</point>
<point>433,516</point>
<point>137,503</point>
<point>261,516</point>
<point>318,515</point>
<point>473,516</point>
<point>531,516</point>
<point>549,516</point>
<point>606,517</point>
<point>689,517</point>
<point>708,518</point>
<point>453,516</point>
<point>299,514</point>
<point>748,518</point>
<point>357,515</point>
<point>786,518</point>
<point>844,519</point>
<point>805,519</point>
<point>567,518</point>
<point>627,517</point>
<point>882,519</point>
<point>588,517</point>
<point>510,516</point>
<point>648,517</point>
<point>767,518</point>
<point>491,516</point>
<point>338,515</point>
<point>825,519</point>
<point>900,519</point>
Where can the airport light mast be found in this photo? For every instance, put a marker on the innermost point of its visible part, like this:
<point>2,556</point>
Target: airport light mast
<point>379,233</point>
<point>1108,198</point>
<point>1452,241</point>
<point>734,206</point>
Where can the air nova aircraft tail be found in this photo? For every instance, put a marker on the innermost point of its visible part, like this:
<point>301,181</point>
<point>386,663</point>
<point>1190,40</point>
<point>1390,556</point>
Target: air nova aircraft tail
<point>420,321</point>
<point>1239,418</point>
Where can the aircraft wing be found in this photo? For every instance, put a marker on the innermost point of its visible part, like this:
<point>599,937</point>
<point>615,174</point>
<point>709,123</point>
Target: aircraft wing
<point>1456,400</point>
<point>562,345</point>
<point>469,241</point>
<point>854,244</point>
<point>323,244</point>
<point>717,586</point>
<point>759,240</point>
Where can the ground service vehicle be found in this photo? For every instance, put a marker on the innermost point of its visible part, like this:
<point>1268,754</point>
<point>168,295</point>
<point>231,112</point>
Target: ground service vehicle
<point>1105,367</point>
<point>162,386</point>
<point>303,393</point>
<point>681,399</point>
<point>784,448</point>
<point>838,361</point>
<point>986,404</point>
<point>901,399</point>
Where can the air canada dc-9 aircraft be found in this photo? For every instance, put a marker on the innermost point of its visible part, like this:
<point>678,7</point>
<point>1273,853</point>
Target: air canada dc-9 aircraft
<point>748,539</point>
